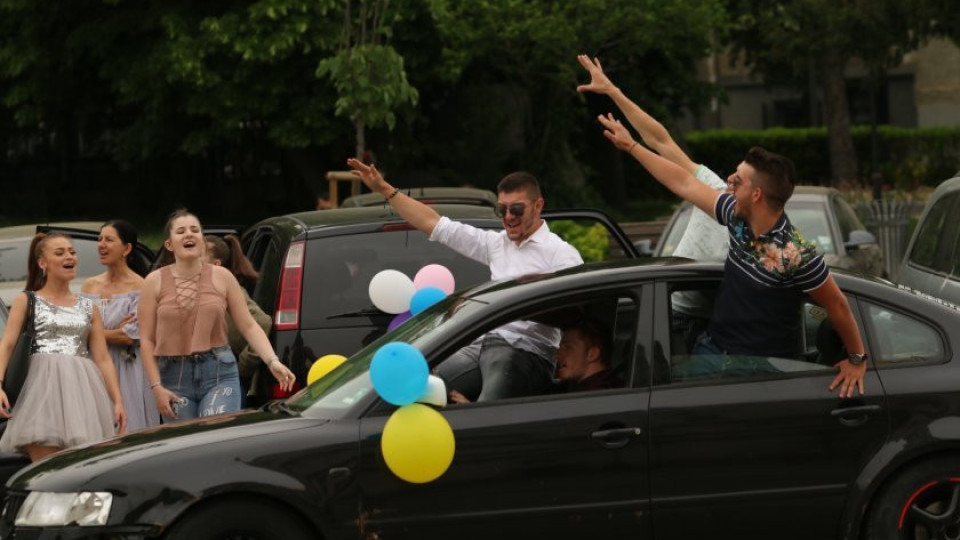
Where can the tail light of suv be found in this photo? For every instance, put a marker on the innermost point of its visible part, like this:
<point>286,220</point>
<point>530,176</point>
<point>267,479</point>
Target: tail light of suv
<point>291,283</point>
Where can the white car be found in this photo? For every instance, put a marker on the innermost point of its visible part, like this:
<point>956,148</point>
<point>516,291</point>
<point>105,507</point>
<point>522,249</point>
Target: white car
<point>15,247</point>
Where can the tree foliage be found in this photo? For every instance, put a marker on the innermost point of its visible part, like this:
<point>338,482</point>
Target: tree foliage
<point>787,41</point>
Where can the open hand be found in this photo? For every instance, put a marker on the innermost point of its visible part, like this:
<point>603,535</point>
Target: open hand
<point>850,376</point>
<point>618,134</point>
<point>599,82</point>
<point>283,375</point>
<point>368,174</point>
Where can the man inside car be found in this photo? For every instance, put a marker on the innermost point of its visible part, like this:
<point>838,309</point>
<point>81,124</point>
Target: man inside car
<point>515,359</point>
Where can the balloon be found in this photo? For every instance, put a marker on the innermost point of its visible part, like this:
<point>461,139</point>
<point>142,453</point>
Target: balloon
<point>425,298</point>
<point>417,443</point>
<point>398,320</point>
<point>399,373</point>
<point>434,275</point>
<point>325,364</point>
<point>390,291</point>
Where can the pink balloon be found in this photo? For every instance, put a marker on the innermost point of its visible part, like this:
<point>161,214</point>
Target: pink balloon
<point>434,275</point>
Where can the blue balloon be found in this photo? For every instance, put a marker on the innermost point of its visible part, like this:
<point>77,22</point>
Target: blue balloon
<point>399,373</point>
<point>425,298</point>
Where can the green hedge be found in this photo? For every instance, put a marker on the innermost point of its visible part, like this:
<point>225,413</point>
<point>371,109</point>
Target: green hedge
<point>908,158</point>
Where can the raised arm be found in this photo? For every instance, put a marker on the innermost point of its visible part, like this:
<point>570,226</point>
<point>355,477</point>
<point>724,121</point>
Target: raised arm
<point>653,133</point>
<point>674,177</point>
<point>421,216</point>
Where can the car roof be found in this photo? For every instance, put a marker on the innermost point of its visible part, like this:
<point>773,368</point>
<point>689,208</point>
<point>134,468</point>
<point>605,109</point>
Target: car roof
<point>434,195</point>
<point>812,193</point>
<point>20,231</point>
<point>317,219</point>
<point>947,186</point>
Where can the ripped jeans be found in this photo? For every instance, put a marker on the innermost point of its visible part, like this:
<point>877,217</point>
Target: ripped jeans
<point>208,381</point>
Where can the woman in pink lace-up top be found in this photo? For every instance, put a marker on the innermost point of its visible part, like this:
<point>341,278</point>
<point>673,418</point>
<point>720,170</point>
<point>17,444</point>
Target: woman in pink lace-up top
<point>183,329</point>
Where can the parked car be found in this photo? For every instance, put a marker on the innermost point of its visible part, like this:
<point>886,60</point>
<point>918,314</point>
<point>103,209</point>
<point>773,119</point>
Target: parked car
<point>15,246</point>
<point>430,195</point>
<point>931,263</point>
<point>4,313</point>
<point>745,455</point>
<point>822,216</point>
<point>315,268</point>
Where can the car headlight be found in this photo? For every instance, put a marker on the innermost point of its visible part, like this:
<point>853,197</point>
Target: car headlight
<point>44,509</point>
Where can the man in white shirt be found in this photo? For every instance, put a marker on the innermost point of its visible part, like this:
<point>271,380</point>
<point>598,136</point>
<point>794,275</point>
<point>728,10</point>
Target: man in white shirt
<point>515,359</point>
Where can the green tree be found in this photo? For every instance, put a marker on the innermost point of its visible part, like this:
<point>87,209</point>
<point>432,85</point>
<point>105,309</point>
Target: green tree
<point>367,72</point>
<point>789,41</point>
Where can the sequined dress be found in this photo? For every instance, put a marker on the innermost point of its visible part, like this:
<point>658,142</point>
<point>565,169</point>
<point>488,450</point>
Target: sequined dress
<point>64,401</point>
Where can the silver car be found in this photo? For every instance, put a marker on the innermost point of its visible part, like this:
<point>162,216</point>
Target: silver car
<point>931,263</point>
<point>822,216</point>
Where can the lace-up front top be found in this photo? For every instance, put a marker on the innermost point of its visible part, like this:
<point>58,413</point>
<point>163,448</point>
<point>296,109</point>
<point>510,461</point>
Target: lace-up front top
<point>191,314</point>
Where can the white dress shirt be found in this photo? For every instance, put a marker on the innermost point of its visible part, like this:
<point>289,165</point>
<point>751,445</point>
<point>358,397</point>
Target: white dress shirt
<point>542,252</point>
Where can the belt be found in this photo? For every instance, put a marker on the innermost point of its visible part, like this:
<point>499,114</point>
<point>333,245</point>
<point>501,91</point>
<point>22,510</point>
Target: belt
<point>198,355</point>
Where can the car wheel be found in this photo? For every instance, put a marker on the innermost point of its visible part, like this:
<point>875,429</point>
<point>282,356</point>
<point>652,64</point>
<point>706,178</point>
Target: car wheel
<point>922,502</point>
<point>239,520</point>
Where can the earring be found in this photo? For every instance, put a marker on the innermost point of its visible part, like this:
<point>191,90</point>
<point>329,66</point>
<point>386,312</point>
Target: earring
<point>43,271</point>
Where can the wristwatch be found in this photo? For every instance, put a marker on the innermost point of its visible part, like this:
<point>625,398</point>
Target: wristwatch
<point>857,358</point>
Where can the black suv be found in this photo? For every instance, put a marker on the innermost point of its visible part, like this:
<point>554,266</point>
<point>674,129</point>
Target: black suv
<point>315,268</point>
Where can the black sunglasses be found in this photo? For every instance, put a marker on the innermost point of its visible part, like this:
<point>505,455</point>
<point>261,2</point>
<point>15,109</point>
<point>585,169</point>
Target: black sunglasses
<point>517,209</point>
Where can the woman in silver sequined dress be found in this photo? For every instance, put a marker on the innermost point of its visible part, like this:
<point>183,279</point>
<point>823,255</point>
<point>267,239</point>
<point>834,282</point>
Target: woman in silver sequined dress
<point>118,293</point>
<point>71,395</point>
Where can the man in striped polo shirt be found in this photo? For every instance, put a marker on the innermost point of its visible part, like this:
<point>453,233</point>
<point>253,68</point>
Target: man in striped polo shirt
<point>769,266</point>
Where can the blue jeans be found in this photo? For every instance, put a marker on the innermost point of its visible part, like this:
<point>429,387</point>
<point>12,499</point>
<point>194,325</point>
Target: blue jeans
<point>209,382</point>
<point>490,368</point>
<point>709,361</point>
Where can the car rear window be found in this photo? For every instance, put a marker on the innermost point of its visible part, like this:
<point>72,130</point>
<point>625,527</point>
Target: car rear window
<point>337,270</point>
<point>13,258</point>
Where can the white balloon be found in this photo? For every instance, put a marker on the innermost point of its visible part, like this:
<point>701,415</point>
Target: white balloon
<point>436,392</point>
<point>391,291</point>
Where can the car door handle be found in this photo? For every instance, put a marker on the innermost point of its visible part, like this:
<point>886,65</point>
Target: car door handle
<point>854,416</point>
<point>615,438</point>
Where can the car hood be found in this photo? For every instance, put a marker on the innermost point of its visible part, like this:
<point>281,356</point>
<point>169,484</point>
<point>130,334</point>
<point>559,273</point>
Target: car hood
<point>78,467</point>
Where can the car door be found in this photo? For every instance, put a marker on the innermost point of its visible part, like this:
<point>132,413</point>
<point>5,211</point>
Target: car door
<point>576,226</point>
<point>769,455</point>
<point>565,465</point>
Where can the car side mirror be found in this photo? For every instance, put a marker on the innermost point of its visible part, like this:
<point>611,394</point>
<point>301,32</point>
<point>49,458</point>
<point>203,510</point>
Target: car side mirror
<point>858,238</point>
<point>644,247</point>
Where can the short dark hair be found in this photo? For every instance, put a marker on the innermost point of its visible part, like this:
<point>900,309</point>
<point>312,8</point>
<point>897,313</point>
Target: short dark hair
<point>520,181</point>
<point>775,174</point>
<point>595,334</point>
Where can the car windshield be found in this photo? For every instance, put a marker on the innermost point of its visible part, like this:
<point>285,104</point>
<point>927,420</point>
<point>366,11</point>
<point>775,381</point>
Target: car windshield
<point>350,382</point>
<point>676,231</point>
<point>810,218</point>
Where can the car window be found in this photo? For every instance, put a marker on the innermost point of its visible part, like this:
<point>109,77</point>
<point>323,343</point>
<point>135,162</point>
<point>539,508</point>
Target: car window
<point>901,339</point>
<point>265,257</point>
<point>591,238</point>
<point>13,258</point>
<point>811,220</point>
<point>846,218</point>
<point>677,228</point>
<point>338,270</point>
<point>691,306</point>
<point>936,240</point>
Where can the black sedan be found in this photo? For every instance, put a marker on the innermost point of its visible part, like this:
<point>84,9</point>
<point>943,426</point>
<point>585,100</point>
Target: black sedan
<point>758,450</point>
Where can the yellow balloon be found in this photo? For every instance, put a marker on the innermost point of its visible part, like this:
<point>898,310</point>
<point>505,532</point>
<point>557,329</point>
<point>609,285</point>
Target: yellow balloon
<point>417,443</point>
<point>323,365</point>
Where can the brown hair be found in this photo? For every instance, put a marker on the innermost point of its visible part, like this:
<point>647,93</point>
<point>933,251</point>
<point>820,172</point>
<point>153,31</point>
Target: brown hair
<point>520,181</point>
<point>175,215</point>
<point>594,334</point>
<point>36,277</point>
<point>775,174</point>
<point>229,252</point>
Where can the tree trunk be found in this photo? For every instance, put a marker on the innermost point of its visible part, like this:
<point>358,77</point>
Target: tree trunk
<point>843,157</point>
<point>360,129</point>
